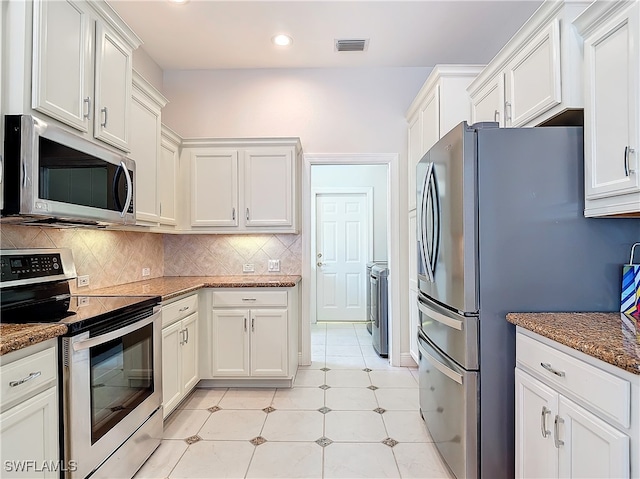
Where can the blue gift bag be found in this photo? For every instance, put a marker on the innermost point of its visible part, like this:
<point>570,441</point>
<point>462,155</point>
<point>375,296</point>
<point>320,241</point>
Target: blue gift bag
<point>630,299</point>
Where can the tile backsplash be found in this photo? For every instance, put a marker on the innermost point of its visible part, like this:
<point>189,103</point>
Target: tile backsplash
<point>108,257</point>
<point>212,255</point>
<point>117,257</point>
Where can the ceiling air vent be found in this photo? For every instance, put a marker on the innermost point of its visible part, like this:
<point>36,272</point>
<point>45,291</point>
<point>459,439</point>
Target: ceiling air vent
<point>351,45</point>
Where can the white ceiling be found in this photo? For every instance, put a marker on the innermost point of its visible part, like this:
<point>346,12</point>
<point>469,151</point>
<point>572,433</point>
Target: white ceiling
<point>207,34</point>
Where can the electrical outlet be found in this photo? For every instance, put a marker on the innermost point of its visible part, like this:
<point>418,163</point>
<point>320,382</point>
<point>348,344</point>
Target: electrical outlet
<point>83,300</point>
<point>83,281</point>
<point>248,268</point>
<point>146,272</point>
<point>274,265</point>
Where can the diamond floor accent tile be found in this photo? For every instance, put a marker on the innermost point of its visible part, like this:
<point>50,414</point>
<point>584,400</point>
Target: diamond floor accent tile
<point>367,370</point>
<point>214,409</point>
<point>389,442</point>
<point>325,369</point>
<point>373,388</point>
<point>193,439</point>
<point>380,410</point>
<point>269,409</point>
<point>324,386</point>
<point>324,441</point>
<point>324,410</point>
<point>256,441</point>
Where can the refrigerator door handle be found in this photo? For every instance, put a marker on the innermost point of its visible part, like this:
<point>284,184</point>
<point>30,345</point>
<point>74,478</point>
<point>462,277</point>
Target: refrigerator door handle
<point>441,318</point>
<point>451,374</point>
<point>424,256</point>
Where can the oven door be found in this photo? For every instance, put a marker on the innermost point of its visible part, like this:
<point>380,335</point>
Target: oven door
<point>112,385</point>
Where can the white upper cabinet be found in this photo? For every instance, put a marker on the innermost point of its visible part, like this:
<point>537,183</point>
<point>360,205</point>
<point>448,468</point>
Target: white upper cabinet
<point>537,75</point>
<point>145,144</point>
<point>168,176</point>
<point>612,94</point>
<point>441,104</point>
<point>243,186</point>
<point>81,67</point>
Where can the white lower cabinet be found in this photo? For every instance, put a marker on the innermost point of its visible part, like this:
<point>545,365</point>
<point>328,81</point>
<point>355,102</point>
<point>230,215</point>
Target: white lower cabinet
<point>254,334</point>
<point>179,351</point>
<point>565,411</point>
<point>29,413</point>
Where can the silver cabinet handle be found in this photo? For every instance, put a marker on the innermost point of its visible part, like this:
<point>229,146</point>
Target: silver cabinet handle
<point>106,112</point>
<point>233,214</point>
<point>186,308</point>
<point>186,330</point>
<point>627,168</point>
<point>31,376</point>
<point>182,341</point>
<point>549,368</point>
<point>129,189</point>
<point>247,214</point>
<point>248,299</point>
<point>543,422</point>
<point>507,105</point>
<point>88,103</point>
<point>245,325</point>
<point>556,428</point>
<point>496,116</point>
<point>253,320</point>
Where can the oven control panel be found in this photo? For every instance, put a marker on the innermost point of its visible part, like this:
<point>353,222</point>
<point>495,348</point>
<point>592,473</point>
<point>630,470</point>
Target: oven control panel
<point>28,266</point>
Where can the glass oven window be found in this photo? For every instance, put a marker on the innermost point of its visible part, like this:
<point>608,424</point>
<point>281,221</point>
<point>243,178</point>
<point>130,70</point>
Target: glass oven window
<point>121,378</point>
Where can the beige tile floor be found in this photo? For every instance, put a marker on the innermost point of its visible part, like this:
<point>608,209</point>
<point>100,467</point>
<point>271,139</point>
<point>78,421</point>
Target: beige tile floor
<point>365,424</point>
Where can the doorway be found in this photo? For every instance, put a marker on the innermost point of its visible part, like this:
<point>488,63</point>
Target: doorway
<point>389,245</point>
<point>342,239</point>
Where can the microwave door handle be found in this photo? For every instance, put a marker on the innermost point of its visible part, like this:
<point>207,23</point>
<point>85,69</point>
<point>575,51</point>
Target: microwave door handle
<point>129,189</point>
<point>110,336</point>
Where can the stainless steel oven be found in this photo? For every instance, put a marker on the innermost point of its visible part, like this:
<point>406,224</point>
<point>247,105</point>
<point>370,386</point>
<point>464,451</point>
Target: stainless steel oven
<point>110,361</point>
<point>112,394</point>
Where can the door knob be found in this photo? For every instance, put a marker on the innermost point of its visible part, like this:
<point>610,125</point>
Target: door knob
<point>319,263</point>
<point>319,255</point>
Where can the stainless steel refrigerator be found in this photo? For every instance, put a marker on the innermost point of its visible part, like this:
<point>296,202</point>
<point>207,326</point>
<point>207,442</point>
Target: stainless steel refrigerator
<point>500,229</point>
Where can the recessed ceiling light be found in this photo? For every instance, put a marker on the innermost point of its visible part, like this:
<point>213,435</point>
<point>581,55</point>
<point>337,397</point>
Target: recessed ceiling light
<point>282,40</point>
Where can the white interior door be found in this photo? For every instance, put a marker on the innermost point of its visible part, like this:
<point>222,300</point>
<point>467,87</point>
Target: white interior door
<point>342,245</point>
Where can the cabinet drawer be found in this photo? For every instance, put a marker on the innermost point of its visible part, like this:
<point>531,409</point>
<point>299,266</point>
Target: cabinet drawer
<point>27,375</point>
<point>178,310</point>
<point>247,298</point>
<point>606,393</point>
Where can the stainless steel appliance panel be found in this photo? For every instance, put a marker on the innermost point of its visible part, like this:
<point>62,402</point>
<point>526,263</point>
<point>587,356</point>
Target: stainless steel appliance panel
<point>453,333</point>
<point>380,309</point>
<point>449,406</point>
<point>447,221</point>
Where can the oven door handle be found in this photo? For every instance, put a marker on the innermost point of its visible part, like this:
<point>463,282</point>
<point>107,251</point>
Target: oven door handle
<point>118,333</point>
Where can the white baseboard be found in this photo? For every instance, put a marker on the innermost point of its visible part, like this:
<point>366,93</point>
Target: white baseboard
<point>407,361</point>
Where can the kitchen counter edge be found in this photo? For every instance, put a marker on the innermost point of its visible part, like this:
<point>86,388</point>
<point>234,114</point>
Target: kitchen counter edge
<point>610,337</point>
<point>18,336</point>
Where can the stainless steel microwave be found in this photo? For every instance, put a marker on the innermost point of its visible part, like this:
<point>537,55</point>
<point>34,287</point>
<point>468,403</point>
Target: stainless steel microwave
<point>52,176</point>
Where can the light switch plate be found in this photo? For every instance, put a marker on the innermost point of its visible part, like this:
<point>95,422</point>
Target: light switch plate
<point>248,268</point>
<point>274,265</point>
<point>146,272</point>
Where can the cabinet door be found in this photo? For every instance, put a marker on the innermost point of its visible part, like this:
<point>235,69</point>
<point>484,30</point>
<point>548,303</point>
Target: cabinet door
<point>269,341</point>
<point>172,338</point>
<point>144,143</point>
<point>591,447</point>
<point>536,407</point>
<point>488,103</point>
<point>430,120</point>
<point>214,188</point>
<point>611,57</point>
<point>189,353</point>
<point>268,187</point>
<point>533,78</point>
<point>113,71</point>
<point>167,174</point>
<point>413,156</point>
<point>62,80</point>
<point>230,342</point>
<point>30,434</point>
